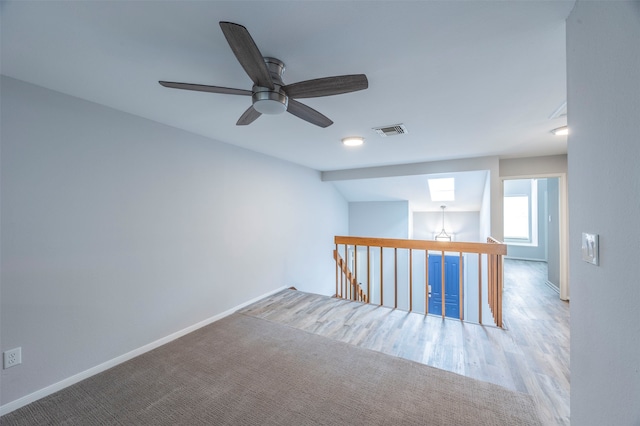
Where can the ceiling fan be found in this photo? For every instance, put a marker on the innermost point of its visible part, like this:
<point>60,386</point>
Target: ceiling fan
<point>269,94</point>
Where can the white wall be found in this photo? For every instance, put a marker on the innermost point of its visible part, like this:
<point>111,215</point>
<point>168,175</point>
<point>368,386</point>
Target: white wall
<point>484,219</point>
<point>464,225</point>
<point>118,231</point>
<point>603,65</point>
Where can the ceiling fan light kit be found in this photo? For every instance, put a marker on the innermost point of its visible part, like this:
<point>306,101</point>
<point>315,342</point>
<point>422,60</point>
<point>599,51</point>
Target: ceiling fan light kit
<point>267,101</point>
<point>269,95</point>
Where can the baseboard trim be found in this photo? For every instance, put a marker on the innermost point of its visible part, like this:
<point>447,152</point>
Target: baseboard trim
<point>552,286</point>
<point>525,258</point>
<point>46,391</point>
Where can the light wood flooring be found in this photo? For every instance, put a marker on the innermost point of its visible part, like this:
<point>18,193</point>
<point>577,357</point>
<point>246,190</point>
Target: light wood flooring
<point>531,355</point>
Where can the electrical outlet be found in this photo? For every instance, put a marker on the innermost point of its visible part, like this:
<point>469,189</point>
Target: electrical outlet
<point>12,357</point>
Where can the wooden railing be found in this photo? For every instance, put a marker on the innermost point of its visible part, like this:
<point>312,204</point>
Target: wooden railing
<point>353,290</point>
<point>496,266</point>
<point>405,277</point>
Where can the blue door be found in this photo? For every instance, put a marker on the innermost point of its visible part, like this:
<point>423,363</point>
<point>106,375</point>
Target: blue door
<point>451,285</point>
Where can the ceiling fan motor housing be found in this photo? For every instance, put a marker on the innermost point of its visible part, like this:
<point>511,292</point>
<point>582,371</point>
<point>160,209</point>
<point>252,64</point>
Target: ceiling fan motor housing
<point>276,69</point>
<point>271,101</point>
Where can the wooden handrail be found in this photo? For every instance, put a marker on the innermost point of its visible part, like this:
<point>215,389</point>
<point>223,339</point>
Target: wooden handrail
<point>465,247</point>
<point>493,251</point>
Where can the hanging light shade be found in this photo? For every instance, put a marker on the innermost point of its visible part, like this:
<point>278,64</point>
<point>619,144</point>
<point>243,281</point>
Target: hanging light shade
<point>443,236</point>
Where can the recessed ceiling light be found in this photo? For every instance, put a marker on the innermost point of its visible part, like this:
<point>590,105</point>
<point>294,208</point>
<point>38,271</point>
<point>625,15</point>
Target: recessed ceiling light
<point>353,141</point>
<point>561,131</point>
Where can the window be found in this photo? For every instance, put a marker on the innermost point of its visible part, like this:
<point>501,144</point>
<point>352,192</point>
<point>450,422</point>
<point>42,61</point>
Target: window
<point>442,189</point>
<point>521,211</point>
<point>516,217</point>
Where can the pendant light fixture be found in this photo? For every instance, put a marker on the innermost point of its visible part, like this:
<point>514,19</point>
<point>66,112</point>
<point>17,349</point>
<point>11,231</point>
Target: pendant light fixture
<point>443,236</point>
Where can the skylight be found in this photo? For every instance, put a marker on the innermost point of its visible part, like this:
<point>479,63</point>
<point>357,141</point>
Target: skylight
<point>442,189</point>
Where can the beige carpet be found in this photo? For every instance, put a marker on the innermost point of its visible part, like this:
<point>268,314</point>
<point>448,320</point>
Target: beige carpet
<point>247,371</point>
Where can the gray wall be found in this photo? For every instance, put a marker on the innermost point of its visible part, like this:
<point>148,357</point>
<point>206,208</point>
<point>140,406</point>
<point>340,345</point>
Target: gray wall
<point>533,166</point>
<point>381,219</point>
<point>118,231</point>
<point>603,65</point>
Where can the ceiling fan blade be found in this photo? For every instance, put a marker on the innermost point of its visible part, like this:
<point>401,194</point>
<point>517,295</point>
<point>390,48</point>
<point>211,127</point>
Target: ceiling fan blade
<point>203,88</point>
<point>300,110</point>
<point>327,86</point>
<point>247,53</point>
<point>248,117</point>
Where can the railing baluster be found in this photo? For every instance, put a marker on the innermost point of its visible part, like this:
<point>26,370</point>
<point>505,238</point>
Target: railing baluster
<point>499,291</point>
<point>355,268</point>
<point>442,294</point>
<point>368,275</point>
<point>347,293</point>
<point>498,287</point>
<point>491,279</point>
<point>336,251</point>
<point>395,283</point>
<point>342,288</point>
<point>493,288</point>
<point>381,279</point>
<point>461,290</point>
<point>480,288</point>
<point>426,282</point>
<point>490,282</point>
<point>410,280</point>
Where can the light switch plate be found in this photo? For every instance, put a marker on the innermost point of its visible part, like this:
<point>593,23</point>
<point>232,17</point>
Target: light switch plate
<point>590,248</point>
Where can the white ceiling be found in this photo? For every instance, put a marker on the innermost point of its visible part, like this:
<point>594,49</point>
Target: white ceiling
<point>467,78</point>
